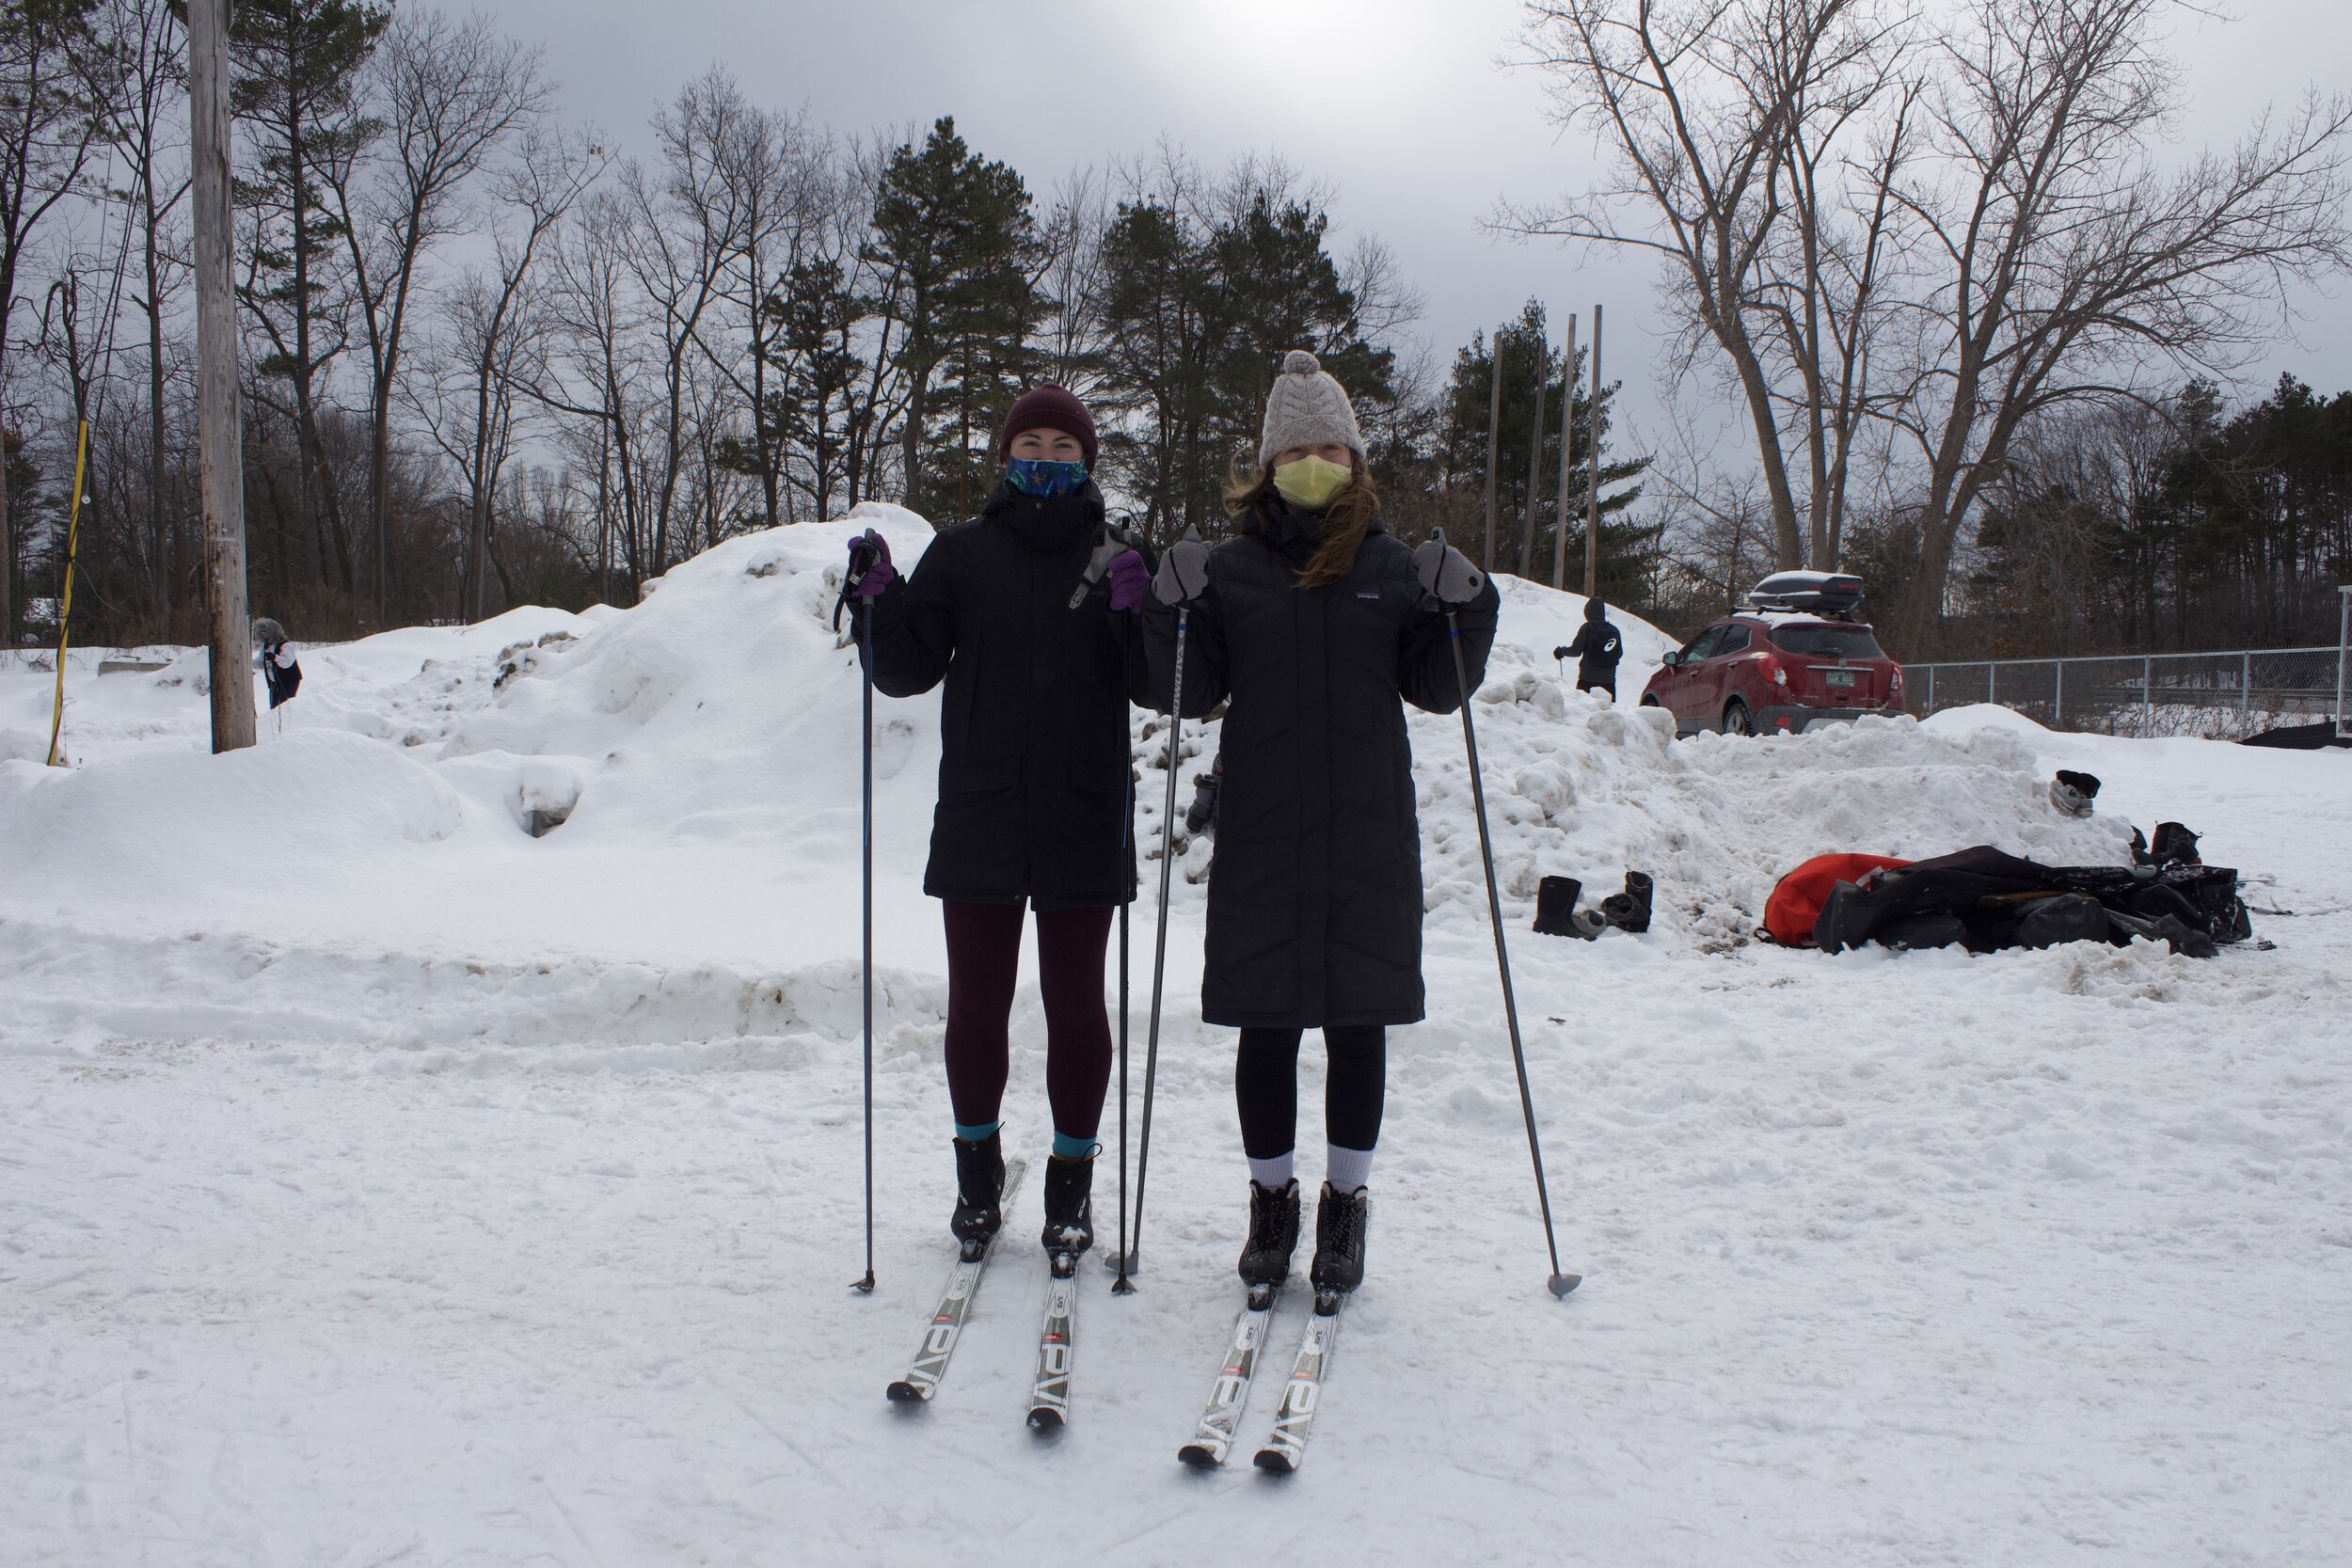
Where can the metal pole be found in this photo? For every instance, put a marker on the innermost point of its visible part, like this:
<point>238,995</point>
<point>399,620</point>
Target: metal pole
<point>1122,1286</point>
<point>219,463</point>
<point>65,600</point>
<point>1992,683</point>
<point>2057,705</point>
<point>1931,692</point>
<point>1592,456</point>
<point>1494,439</point>
<point>2343,645</point>
<point>865,965</point>
<point>2245,687</point>
<point>1534,463</point>
<point>1134,1263</point>
<point>1567,447</point>
<point>1559,1284</point>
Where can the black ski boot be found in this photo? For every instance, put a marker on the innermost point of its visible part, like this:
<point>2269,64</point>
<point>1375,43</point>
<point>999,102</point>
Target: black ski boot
<point>1068,1205</point>
<point>1266,1256</point>
<point>1340,1221</point>
<point>979,1192</point>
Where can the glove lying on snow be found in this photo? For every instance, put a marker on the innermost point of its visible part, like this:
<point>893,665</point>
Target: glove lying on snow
<point>2072,792</point>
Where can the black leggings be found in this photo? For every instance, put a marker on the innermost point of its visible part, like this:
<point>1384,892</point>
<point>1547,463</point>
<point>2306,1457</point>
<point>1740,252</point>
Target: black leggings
<point>1265,1086</point>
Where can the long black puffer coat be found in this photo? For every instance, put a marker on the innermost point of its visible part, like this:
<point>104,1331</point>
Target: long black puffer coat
<point>1033,770</point>
<point>1315,896</point>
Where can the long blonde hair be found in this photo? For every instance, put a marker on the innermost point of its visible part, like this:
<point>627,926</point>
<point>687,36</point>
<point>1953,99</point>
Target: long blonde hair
<point>1345,521</point>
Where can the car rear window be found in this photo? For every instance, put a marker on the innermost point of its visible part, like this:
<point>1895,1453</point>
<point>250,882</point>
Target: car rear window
<point>1827,641</point>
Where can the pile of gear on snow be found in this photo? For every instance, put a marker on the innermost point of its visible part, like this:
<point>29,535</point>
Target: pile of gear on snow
<point>1984,899</point>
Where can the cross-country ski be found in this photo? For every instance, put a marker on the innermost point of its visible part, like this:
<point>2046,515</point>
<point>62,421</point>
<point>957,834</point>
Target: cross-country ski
<point>1057,1347</point>
<point>1228,1395</point>
<point>1285,1449</point>
<point>940,1335</point>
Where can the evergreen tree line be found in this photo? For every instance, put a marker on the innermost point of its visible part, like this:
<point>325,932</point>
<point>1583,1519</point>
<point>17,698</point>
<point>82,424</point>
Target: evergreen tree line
<point>488,360</point>
<point>2178,527</point>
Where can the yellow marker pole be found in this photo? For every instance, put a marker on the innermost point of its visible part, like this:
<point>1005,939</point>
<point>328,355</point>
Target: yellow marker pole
<point>65,613</point>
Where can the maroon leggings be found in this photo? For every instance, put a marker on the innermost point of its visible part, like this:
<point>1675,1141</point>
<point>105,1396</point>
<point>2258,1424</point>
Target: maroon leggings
<point>983,957</point>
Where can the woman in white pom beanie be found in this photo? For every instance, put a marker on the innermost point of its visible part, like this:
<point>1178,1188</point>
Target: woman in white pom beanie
<point>1317,626</point>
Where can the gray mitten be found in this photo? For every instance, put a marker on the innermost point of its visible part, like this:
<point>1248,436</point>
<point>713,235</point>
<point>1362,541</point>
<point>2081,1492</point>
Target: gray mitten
<point>1184,574</point>
<point>1446,572</point>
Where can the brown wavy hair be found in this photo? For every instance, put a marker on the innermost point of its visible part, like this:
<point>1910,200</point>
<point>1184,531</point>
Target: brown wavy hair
<point>1250,487</point>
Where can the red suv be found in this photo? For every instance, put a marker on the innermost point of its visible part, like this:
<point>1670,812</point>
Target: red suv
<point>1793,657</point>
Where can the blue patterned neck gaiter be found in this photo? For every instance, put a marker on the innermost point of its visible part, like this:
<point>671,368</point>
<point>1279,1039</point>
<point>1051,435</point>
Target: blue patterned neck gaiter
<point>1036,476</point>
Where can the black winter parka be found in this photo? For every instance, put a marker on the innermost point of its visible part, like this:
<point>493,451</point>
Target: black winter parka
<point>1316,894</point>
<point>1596,648</point>
<point>1034,755</point>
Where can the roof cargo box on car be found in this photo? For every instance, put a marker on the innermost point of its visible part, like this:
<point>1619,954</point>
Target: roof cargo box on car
<point>1821,592</point>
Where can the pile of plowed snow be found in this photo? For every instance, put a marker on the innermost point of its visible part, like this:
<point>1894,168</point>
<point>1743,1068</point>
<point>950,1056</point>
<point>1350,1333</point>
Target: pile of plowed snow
<point>692,763</point>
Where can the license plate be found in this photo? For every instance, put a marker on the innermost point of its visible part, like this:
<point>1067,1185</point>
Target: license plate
<point>1843,679</point>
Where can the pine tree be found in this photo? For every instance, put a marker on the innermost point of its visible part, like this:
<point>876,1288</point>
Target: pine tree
<point>297,89</point>
<point>1626,548</point>
<point>956,234</point>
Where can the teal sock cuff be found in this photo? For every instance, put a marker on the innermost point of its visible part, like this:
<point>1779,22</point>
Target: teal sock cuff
<point>1074,1148</point>
<point>973,1134</point>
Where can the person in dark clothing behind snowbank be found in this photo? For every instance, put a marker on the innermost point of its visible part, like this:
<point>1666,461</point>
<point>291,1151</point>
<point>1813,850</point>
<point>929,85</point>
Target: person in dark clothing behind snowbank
<point>1319,626</point>
<point>278,670</point>
<point>1032,784</point>
<point>1596,648</point>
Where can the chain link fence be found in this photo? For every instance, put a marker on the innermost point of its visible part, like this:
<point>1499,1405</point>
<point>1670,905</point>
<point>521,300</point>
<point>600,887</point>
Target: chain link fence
<point>2223,696</point>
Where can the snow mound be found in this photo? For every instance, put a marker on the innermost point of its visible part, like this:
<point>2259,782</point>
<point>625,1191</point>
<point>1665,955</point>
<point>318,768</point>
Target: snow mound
<point>677,784</point>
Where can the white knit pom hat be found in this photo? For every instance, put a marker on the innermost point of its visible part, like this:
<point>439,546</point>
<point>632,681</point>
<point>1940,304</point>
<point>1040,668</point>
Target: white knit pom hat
<point>1307,408</point>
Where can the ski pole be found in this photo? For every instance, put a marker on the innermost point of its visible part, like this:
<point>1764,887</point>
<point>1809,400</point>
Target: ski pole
<point>1560,1284</point>
<point>1122,1286</point>
<point>1159,950</point>
<point>865,664</point>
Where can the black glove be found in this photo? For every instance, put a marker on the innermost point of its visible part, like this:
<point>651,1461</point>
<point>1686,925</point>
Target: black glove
<point>1184,574</point>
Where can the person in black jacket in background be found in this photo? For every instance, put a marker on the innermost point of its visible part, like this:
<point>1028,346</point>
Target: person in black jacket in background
<point>1318,627</point>
<point>1033,778</point>
<point>1597,647</point>
<point>279,671</point>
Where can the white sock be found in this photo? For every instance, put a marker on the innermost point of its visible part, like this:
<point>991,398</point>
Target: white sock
<point>1274,1174</point>
<point>1346,1169</point>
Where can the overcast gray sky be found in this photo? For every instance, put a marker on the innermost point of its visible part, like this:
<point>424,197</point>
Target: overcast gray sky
<point>1399,104</point>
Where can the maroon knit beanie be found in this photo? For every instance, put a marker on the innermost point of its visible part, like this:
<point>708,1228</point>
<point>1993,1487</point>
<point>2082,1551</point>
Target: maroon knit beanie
<point>1047,406</point>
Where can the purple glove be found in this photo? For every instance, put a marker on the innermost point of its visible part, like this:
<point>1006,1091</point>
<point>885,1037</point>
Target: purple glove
<point>1129,578</point>
<point>870,571</point>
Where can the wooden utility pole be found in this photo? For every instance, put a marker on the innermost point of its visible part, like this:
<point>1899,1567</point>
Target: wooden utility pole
<point>219,460</point>
<point>1591,451</point>
<point>1534,465</point>
<point>1567,459</point>
<point>1494,441</point>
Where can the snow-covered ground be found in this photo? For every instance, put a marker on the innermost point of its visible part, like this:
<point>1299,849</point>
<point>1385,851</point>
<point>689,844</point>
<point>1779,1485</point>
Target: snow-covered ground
<point>384,1184</point>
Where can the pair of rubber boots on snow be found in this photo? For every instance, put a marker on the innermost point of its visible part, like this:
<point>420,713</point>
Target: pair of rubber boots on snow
<point>1341,1221</point>
<point>1556,914</point>
<point>979,1198</point>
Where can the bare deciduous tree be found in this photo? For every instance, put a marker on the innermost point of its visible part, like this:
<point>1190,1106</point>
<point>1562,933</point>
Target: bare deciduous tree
<point>448,95</point>
<point>1938,225</point>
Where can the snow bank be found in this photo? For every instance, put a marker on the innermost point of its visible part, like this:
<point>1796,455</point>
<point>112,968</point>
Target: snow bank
<point>689,765</point>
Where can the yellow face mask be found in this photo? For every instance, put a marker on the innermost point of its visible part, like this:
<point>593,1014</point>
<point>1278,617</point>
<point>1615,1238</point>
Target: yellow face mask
<point>1309,482</point>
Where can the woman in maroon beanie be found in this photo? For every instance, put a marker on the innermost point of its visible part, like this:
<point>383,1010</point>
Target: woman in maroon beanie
<point>1032,785</point>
